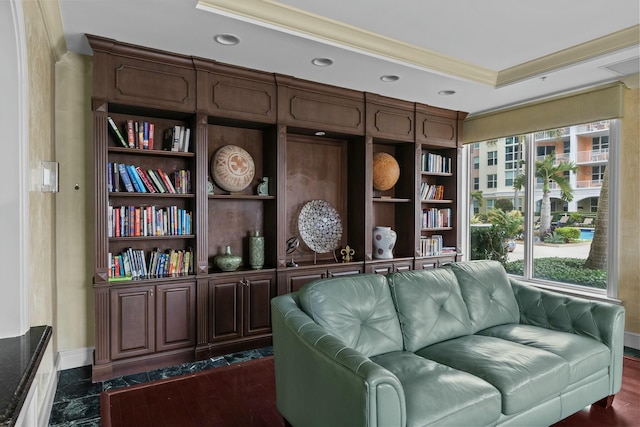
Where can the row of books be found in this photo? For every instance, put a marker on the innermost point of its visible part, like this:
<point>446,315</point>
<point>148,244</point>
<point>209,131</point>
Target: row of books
<point>431,192</point>
<point>433,246</point>
<point>432,162</point>
<point>177,139</point>
<point>132,264</point>
<point>436,218</point>
<point>136,221</point>
<point>141,135</point>
<point>135,179</point>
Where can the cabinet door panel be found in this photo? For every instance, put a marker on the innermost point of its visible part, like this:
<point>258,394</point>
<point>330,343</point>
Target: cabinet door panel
<point>224,311</point>
<point>257,305</point>
<point>176,316</point>
<point>132,322</point>
<point>403,266</point>
<point>296,281</point>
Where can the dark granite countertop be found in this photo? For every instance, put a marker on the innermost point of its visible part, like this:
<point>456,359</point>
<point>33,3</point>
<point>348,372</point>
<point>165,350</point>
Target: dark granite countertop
<point>19,361</point>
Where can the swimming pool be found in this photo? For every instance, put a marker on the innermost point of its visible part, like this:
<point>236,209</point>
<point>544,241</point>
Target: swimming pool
<point>586,233</point>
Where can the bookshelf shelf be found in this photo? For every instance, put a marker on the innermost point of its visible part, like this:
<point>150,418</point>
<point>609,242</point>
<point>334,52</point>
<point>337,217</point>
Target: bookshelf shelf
<point>143,152</point>
<point>436,201</point>
<point>140,238</point>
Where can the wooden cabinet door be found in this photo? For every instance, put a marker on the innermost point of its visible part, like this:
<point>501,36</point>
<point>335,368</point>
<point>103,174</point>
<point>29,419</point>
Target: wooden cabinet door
<point>225,316</point>
<point>382,268</point>
<point>403,266</point>
<point>296,280</point>
<point>257,295</point>
<point>176,316</point>
<point>132,321</point>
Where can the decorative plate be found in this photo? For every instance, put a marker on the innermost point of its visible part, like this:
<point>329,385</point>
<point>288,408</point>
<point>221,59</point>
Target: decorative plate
<point>232,168</point>
<point>320,226</point>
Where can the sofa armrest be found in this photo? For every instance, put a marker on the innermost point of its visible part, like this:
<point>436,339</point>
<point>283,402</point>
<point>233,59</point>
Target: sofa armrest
<point>601,321</point>
<point>321,382</point>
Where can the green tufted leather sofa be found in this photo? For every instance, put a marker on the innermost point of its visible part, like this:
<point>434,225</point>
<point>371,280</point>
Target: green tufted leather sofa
<point>462,345</point>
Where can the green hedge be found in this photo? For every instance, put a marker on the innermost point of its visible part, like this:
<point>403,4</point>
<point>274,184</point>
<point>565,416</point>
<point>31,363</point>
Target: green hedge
<point>568,233</point>
<point>565,270</point>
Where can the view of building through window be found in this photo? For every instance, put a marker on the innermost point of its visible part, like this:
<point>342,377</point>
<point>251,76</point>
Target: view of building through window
<point>568,226</point>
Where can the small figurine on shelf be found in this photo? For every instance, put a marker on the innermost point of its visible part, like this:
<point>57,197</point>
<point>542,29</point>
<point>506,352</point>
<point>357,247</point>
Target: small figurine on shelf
<point>347,254</point>
<point>209,186</point>
<point>292,247</point>
<point>263,187</point>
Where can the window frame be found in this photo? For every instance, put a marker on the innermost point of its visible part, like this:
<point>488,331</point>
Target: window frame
<point>529,154</point>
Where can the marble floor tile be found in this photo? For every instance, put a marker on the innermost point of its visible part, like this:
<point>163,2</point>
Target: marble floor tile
<point>77,399</point>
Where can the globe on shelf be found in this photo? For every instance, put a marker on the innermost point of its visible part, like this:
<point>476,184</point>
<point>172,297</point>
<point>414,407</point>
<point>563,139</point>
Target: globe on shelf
<point>386,171</point>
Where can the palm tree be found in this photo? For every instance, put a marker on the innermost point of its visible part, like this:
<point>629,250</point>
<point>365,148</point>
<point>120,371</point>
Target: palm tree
<point>597,258</point>
<point>548,171</point>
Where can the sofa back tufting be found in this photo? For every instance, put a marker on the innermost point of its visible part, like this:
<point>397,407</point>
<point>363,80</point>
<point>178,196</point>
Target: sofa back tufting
<point>430,307</point>
<point>487,293</point>
<point>358,310</point>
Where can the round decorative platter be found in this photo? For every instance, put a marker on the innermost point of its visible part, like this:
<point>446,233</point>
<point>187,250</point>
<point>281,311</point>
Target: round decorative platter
<point>320,226</point>
<point>232,168</point>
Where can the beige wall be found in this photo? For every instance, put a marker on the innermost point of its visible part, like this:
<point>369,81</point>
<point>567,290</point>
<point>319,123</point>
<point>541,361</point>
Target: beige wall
<point>42,231</point>
<point>74,207</point>
<point>629,244</point>
<point>41,148</point>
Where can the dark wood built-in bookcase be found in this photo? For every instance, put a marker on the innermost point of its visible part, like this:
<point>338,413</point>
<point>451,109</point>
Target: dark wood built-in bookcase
<point>189,309</point>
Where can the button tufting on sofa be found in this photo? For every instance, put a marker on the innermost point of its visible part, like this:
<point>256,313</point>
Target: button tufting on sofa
<point>460,345</point>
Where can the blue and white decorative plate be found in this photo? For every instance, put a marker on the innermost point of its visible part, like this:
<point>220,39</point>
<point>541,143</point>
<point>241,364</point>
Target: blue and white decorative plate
<point>320,226</point>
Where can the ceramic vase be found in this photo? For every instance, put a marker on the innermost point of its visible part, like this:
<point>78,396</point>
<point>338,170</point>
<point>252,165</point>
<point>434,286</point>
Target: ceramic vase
<point>228,261</point>
<point>256,251</point>
<point>384,239</point>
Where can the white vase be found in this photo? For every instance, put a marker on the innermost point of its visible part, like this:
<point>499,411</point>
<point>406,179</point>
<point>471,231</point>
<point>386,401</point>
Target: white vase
<point>384,239</point>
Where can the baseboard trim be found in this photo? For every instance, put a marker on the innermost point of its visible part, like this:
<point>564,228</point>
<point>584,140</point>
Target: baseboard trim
<point>49,397</point>
<point>70,359</point>
<point>631,339</point>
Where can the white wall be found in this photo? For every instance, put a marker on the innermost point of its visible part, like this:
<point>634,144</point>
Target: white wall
<point>14,312</point>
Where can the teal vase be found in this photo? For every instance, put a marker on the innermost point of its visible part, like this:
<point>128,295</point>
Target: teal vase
<point>228,261</point>
<point>256,251</point>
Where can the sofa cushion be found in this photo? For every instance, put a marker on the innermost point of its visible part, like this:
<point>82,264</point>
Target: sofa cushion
<point>487,292</point>
<point>585,356</point>
<point>436,394</point>
<point>357,310</point>
<point>430,306</point>
<point>524,375</point>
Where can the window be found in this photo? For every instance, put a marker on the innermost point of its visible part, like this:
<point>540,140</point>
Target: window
<point>597,174</point>
<point>555,231</point>
<point>476,183</point>
<point>508,178</point>
<point>492,158</point>
<point>600,143</point>
<point>476,162</point>
<point>511,155</point>
<point>545,150</point>
<point>492,180</point>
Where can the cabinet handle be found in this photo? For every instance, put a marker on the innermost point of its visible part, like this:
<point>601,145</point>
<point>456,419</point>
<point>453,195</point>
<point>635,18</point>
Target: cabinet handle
<point>247,283</point>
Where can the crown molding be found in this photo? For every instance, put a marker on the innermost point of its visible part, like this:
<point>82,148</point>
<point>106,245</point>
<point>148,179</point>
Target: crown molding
<point>273,14</point>
<point>282,17</point>
<point>607,44</point>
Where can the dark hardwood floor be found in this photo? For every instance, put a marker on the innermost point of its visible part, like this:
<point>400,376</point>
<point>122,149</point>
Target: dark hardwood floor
<point>243,394</point>
<point>626,404</point>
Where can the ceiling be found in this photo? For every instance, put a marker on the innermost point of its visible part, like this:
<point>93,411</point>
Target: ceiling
<point>492,53</point>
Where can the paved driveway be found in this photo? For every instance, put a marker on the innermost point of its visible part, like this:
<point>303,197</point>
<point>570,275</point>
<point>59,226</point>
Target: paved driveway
<point>572,250</point>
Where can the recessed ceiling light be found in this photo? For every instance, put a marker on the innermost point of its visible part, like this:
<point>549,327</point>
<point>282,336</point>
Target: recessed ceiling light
<point>390,78</point>
<point>227,39</point>
<point>446,92</point>
<point>322,62</point>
